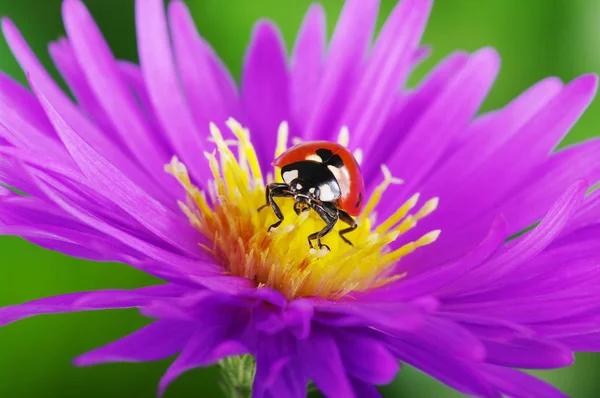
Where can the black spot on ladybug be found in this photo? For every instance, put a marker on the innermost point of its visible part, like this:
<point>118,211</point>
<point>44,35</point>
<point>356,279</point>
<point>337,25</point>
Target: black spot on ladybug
<point>324,154</point>
<point>336,161</point>
<point>329,158</point>
<point>359,201</point>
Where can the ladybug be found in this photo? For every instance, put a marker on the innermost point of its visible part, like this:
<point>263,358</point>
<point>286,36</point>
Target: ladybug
<point>323,176</point>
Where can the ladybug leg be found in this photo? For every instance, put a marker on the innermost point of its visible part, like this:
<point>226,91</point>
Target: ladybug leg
<point>271,187</point>
<point>329,213</point>
<point>276,190</point>
<point>345,217</point>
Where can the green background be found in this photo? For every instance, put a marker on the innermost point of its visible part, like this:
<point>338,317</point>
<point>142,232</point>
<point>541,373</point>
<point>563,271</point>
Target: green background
<point>536,38</point>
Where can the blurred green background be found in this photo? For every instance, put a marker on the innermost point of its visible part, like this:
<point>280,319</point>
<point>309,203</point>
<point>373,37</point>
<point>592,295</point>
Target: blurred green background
<point>536,38</point>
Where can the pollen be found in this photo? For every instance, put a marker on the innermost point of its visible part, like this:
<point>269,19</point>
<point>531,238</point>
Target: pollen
<point>226,212</point>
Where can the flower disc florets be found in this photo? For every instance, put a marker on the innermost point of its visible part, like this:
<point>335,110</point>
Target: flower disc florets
<point>281,258</point>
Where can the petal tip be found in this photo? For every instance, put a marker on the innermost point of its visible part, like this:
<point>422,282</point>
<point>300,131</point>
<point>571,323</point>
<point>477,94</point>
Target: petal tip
<point>567,358</point>
<point>163,384</point>
<point>425,6</point>
<point>580,186</point>
<point>55,46</point>
<point>8,27</point>
<point>265,27</point>
<point>500,223</point>
<point>83,361</point>
<point>551,81</point>
<point>71,3</point>
<point>6,21</point>
<point>72,8</point>
<point>265,35</point>
<point>315,9</point>
<point>177,7</point>
<point>490,54</point>
<point>589,81</point>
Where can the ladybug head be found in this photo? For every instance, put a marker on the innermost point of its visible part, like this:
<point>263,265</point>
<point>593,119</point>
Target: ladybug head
<point>304,194</point>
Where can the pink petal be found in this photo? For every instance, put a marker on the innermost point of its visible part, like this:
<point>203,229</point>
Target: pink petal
<point>307,61</point>
<point>387,69</point>
<point>195,63</point>
<point>159,340</point>
<point>330,375</point>
<point>164,88</point>
<point>265,88</point>
<point>345,57</point>
<point>124,193</point>
<point>103,75</point>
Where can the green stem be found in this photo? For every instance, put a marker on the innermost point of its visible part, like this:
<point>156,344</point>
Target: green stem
<point>237,376</point>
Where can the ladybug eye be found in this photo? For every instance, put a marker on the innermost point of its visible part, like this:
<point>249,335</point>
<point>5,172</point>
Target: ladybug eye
<point>314,192</point>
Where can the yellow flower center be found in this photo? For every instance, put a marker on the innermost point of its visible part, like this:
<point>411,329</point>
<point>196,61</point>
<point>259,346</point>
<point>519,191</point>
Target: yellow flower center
<point>282,259</point>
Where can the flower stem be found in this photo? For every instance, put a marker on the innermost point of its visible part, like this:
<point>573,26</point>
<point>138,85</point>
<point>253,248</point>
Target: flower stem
<point>237,376</point>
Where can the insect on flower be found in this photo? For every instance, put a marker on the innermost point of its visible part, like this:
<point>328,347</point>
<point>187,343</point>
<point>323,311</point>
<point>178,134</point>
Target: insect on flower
<point>323,176</point>
<point>163,165</point>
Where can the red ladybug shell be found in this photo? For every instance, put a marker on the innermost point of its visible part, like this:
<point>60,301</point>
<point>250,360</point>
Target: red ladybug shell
<point>348,176</point>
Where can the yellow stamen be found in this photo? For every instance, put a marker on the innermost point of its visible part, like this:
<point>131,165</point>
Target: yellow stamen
<point>411,221</point>
<point>408,248</point>
<point>358,155</point>
<point>344,137</point>
<point>399,214</point>
<point>427,208</point>
<point>282,139</point>
<point>379,190</point>
<point>242,136</point>
<point>281,259</point>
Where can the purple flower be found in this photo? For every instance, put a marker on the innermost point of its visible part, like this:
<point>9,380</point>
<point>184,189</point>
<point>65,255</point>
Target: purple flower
<point>469,307</point>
